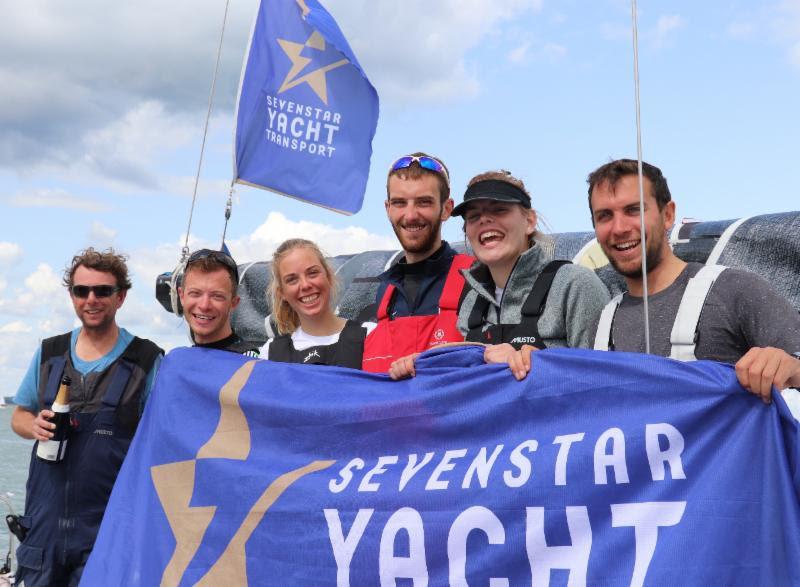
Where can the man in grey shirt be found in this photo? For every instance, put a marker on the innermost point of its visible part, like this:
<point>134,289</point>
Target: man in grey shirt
<point>742,321</point>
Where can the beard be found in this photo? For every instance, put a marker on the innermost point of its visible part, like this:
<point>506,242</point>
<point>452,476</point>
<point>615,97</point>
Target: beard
<point>654,256</point>
<point>420,247</point>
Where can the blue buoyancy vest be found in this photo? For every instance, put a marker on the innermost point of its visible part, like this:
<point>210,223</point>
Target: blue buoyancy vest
<point>65,501</point>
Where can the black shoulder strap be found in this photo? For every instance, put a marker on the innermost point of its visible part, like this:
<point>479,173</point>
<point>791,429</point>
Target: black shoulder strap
<point>54,351</point>
<point>479,309</point>
<point>534,304</point>
<point>142,352</point>
<point>353,331</point>
<point>280,349</point>
<point>55,346</point>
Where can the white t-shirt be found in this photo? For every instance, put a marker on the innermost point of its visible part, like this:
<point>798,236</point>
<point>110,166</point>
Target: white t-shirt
<point>301,341</point>
<point>498,294</point>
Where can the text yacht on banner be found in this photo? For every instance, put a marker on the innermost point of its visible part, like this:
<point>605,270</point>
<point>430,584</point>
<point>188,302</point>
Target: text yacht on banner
<point>599,468</point>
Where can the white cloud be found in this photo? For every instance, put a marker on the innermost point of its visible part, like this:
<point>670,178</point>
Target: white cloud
<point>418,51</point>
<point>664,28</point>
<point>69,72</point>
<point>260,245</point>
<point>613,31</point>
<point>787,27</point>
<point>55,198</point>
<point>520,53</point>
<point>655,36</point>
<point>118,73</point>
<point>741,30</point>
<point>10,253</point>
<point>528,51</point>
<point>38,308</point>
<point>554,51</point>
<point>44,281</point>
<point>124,150</point>
<point>101,236</point>
<point>43,294</point>
<point>15,327</point>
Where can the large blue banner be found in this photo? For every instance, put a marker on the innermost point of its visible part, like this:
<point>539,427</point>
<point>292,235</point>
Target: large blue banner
<point>599,468</point>
<point>306,113</point>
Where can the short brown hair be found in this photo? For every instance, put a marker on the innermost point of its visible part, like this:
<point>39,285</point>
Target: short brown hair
<point>415,171</point>
<point>107,261</point>
<point>209,265</point>
<point>286,318</point>
<point>613,171</point>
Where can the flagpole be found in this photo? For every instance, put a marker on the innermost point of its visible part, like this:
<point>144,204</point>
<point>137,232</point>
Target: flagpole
<point>645,292</point>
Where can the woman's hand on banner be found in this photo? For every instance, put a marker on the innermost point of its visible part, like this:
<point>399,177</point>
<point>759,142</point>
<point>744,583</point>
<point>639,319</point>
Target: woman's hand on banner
<point>519,361</point>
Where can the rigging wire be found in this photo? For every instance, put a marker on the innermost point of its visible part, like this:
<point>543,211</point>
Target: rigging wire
<point>185,250</point>
<point>641,177</point>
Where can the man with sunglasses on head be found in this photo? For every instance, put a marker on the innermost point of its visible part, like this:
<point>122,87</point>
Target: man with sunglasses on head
<point>209,295</point>
<point>111,373</point>
<point>417,300</point>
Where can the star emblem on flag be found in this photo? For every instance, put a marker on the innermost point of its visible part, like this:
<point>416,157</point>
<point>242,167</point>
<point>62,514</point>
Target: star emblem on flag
<point>316,78</point>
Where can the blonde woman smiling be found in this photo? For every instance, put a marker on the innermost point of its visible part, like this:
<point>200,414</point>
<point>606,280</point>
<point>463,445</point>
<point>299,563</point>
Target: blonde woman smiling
<point>302,290</point>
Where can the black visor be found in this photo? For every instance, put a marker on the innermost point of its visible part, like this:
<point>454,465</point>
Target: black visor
<point>493,189</point>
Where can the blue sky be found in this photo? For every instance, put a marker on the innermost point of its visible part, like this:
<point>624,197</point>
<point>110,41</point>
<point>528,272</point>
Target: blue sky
<point>102,108</point>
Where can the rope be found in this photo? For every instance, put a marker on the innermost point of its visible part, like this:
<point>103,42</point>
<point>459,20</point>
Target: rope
<point>641,176</point>
<point>185,250</point>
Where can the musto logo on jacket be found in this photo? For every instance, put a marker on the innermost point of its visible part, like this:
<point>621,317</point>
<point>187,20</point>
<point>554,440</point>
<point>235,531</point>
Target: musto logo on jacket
<point>599,468</point>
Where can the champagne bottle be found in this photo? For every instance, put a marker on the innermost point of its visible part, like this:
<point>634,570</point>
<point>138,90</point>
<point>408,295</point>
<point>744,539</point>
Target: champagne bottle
<point>53,450</point>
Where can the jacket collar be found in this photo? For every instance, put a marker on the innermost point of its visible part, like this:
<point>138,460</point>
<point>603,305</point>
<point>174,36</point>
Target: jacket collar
<point>436,264</point>
<point>531,261</point>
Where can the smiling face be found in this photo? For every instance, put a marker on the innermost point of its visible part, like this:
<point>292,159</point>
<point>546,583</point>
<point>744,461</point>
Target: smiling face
<point>93,312</point>
<point>416,212</point>
<point>498,233</point>
<point>305,285</point>
<point>208,301</point>
<point>615,212</point>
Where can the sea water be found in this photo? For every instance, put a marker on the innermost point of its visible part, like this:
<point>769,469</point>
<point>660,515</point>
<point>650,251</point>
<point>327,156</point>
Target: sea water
<point>15,455</point>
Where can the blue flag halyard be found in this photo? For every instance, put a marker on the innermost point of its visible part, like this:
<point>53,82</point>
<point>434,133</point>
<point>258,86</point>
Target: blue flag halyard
<point>306,112</point>
<point>600,468</point>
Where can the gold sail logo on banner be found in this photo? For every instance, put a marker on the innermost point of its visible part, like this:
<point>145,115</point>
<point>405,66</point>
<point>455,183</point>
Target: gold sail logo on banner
<point>175,482</point>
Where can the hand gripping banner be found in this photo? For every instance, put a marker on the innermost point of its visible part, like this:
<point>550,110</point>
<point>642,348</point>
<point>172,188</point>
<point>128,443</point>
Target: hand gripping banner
<point>598,469</point>
<point>306,112</point>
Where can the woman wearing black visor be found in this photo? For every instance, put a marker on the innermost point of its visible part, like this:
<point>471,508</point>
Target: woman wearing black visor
<point>520,298</point>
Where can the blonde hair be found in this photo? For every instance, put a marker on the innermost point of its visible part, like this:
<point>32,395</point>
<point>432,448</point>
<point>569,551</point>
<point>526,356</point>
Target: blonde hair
<point>507,177</point>
<point>286,318</point>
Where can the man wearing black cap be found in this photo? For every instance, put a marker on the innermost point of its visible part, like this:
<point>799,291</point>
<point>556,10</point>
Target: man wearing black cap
<point>208,296</point>
<point>418,297</point>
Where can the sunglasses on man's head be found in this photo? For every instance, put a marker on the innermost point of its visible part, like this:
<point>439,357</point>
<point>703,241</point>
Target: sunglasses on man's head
<point>99,291</point>
<point>219,256</point>
<point>429,163</point>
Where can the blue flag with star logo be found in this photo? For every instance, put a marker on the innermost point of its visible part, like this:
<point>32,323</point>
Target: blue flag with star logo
<point>598,469</point>
<point>306,112</point>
